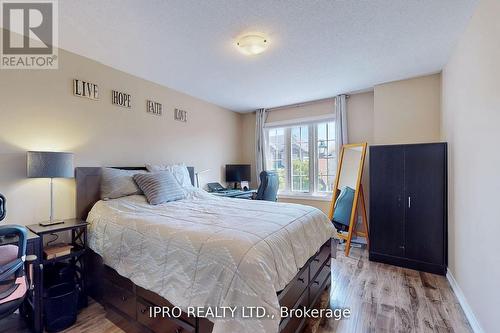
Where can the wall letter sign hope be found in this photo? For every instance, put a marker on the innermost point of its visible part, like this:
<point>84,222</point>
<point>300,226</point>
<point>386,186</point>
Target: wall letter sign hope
<point>120,99</point>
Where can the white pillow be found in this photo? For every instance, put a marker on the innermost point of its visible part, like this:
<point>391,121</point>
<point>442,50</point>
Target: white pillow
<point>117,183</point>
<point>180,172</point>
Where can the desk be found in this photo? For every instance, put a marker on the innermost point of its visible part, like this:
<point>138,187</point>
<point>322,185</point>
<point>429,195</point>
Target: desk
<point>238,194</point>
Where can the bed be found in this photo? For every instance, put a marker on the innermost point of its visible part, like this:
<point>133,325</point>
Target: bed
<point>204,251</point>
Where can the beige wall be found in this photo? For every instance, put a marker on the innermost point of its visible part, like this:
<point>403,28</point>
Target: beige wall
<point>360,113</point>
<point>408,111</point>
<point>471,118</point>
<point>39,112</point>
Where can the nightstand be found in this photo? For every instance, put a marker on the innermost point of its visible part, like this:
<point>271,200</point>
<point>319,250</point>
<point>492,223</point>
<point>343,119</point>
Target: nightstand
<point>78,239</point>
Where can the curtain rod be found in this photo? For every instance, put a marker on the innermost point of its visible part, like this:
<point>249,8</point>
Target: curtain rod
<point>297,105</point>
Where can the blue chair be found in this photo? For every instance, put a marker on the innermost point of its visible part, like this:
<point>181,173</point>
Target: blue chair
<point>269,184</point>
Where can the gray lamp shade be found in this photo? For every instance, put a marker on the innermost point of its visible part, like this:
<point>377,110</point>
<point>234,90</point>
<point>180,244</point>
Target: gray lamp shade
<point>48,164</point>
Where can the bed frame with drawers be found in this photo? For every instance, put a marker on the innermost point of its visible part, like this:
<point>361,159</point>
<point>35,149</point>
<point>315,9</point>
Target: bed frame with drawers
<point>127,304</point>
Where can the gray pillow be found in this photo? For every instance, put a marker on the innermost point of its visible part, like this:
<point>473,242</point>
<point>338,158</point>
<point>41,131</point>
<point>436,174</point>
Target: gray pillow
<point>159,187</point>
<point>116,183</point>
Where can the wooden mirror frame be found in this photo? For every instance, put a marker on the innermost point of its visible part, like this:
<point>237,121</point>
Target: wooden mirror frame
<point>358,197</point>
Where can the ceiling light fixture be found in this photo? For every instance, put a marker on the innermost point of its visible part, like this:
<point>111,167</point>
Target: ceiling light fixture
<point>252,44</point>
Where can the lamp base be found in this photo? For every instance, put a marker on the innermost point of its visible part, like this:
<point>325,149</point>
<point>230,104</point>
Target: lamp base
<point>49,223</point>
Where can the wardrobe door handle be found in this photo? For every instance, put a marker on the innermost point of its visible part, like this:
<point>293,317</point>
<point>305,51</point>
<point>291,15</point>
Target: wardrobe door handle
<point>409,202</point>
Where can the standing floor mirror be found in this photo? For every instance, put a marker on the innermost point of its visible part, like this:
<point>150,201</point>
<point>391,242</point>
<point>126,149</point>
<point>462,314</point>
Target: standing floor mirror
<point>348,194</point>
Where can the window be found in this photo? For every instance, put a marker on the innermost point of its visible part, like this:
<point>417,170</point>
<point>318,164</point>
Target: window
<point>304,156</point>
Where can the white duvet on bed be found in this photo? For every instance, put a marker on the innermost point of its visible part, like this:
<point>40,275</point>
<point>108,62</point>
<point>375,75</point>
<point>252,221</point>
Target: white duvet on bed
<point>208,251</point>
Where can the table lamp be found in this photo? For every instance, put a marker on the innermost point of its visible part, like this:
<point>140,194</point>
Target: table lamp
<point>45,164</point>
<point>198,173</point>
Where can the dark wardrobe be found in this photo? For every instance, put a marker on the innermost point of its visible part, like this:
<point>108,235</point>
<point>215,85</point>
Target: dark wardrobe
<point>408,206</point>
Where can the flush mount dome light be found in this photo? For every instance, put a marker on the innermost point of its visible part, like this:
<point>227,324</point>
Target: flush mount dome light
<point>252,44</point>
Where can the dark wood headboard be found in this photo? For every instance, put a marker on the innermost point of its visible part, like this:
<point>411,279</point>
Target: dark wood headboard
<point>88,187</point>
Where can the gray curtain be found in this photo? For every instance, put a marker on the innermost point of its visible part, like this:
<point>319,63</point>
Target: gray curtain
<point>260,142</point>
<point>340,122</point>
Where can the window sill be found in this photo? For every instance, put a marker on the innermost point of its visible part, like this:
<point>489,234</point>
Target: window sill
<point>305,196</point>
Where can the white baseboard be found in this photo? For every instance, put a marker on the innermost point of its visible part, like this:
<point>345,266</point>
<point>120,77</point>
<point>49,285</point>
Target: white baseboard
<point>474,323</point>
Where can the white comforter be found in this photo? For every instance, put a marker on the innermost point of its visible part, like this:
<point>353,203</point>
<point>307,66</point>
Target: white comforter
<point>208,251</point>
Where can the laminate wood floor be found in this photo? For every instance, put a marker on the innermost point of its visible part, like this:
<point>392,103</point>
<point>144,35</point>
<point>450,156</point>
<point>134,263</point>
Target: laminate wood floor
<point>385,298</point>
<point>382,298</point>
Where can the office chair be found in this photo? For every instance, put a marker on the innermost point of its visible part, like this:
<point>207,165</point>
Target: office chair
<point>13,281</point>
<point>269,184</point>
<point>2,207</point>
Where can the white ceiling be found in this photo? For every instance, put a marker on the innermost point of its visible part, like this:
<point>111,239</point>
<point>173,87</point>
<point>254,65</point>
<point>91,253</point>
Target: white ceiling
<point>318,48</point>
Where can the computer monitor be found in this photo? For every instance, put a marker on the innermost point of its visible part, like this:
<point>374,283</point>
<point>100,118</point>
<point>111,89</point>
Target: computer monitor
<point>238,173</point>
